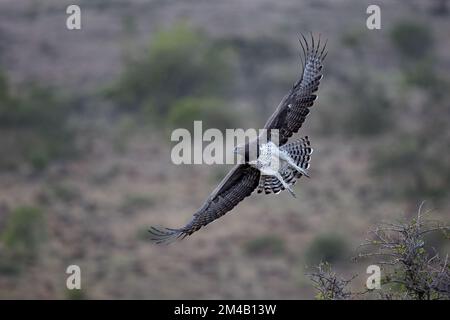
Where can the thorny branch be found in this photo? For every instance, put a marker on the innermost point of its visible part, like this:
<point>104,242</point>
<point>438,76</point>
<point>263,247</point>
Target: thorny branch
<point>410,271</point>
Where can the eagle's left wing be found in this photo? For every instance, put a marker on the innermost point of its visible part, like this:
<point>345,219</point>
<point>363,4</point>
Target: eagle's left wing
<point>239,183</point>
<point>293,109</point>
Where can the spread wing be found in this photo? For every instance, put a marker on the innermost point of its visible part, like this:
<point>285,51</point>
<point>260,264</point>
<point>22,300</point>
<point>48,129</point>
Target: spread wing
<point>293,109</point>
<point>239,183</point>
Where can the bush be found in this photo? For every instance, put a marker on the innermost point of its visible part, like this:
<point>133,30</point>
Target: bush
<point>327,248</point>
<point>328,284</point>
<point>33,127</point>
<point>413,40</point>
<point>422,75</point>
<point>408,270</point>
<point>265,245</point>
<point>370,109</point>
<point>21,238</point>
<point>415,162</point>
<point>75,294</point>
<point>180,63</point>
<point>211,111</point>
<point>353,39</point>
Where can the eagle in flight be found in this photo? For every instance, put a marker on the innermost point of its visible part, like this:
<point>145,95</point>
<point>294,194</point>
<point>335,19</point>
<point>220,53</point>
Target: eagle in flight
<point>275,166</point>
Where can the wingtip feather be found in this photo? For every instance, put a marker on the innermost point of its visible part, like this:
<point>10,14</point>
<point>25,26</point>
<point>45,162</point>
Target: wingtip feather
<point>165,235</point>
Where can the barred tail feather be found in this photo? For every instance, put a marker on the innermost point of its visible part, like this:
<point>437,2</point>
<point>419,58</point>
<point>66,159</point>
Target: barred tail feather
<point>300,151</point>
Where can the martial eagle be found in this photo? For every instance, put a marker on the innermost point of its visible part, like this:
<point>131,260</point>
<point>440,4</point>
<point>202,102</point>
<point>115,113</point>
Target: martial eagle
<point>258,172</point>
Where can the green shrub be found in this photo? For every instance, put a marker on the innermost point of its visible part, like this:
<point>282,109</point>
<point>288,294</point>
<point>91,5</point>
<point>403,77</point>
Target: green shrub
<point>265,245</point>
<point>416,164</point>
<point>409,270</point>
<point>211,111</point>
<point>369,109</point>
<point>413,40</point>
<point>259,50</point>
<point>181,62</point>
<point>353,38</point>
<point>327,248</point>
<point>328,285</point>
<point>33,127</point>
<point>75,294</point>
<point>21,238</point>
<point>421,75</point>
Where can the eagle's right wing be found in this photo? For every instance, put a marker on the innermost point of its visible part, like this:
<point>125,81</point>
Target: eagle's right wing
<point>239,183</point>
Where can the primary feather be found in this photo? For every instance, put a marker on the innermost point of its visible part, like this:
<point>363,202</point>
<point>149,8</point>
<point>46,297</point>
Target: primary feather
<point>237,185</point>
<point>294,107</point>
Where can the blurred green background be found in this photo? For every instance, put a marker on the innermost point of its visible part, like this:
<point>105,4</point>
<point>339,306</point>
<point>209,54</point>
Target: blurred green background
<point>85,123</point>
